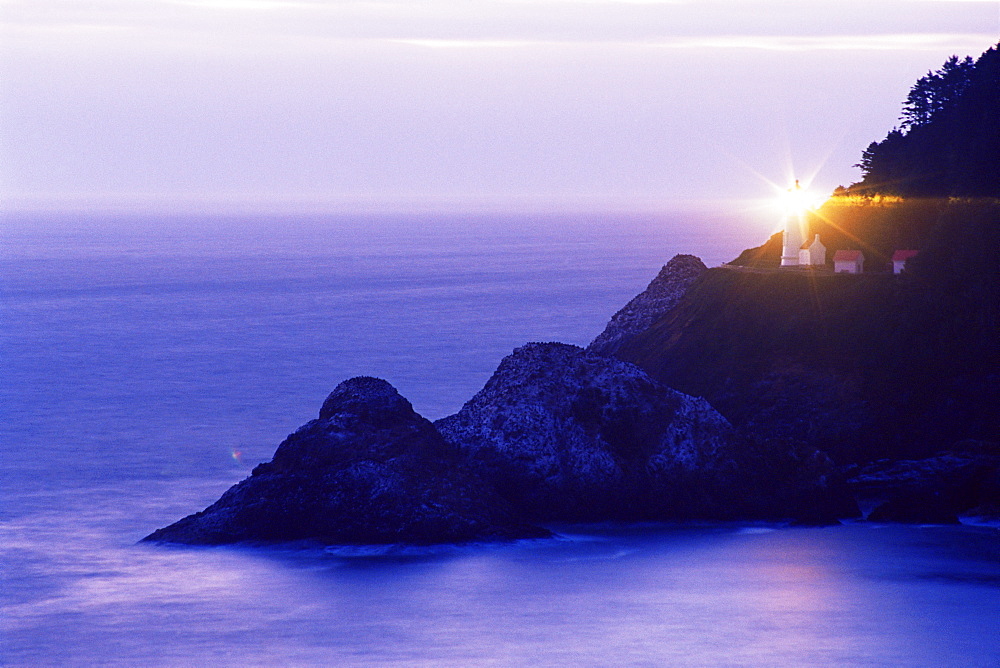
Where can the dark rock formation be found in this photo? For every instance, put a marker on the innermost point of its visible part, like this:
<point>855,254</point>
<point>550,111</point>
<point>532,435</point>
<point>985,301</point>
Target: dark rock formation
<point>934,490</point>
<point>569,435</point>
<point>662,293</point>
<point>370,470</point>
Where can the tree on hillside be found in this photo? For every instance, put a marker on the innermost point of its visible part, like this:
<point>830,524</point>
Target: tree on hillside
<point>949,141</point>
<point>937,91</point>
<point>880,159</point>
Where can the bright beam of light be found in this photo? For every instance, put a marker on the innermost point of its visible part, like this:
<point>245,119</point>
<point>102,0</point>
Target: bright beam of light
<point>799,200</point>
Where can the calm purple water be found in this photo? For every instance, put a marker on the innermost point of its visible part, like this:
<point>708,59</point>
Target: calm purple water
<point>148,364</point>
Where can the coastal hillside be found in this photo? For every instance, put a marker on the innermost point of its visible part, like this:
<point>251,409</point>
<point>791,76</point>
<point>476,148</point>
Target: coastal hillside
<point>875,365</point>
<point>864,367</point>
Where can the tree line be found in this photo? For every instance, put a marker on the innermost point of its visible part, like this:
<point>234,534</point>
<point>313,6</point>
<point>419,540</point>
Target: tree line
<point>948,140</point>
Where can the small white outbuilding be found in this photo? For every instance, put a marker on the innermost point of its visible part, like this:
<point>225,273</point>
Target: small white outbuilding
<point>848,262</point>
<point>812,253</point>
<point>899,259</point>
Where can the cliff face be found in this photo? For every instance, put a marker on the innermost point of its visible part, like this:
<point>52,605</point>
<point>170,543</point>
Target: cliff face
<point>661,295</point>
<point>369,471</point>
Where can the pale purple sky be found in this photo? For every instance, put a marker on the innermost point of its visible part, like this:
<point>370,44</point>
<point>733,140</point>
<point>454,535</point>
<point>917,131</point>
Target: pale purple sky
<point>566,104</point>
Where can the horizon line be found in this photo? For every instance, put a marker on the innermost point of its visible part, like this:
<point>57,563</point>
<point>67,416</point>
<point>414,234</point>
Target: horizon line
<point>366,206</point>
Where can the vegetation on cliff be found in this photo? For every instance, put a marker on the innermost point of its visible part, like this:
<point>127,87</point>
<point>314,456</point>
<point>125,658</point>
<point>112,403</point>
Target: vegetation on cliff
<point>949,142</point>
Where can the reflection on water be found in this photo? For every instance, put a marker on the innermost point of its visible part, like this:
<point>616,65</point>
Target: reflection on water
<point>597,595</point>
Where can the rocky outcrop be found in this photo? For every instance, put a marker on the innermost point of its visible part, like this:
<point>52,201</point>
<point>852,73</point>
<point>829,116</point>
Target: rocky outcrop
<point>661,295</point>
<point>370,470</point>
<point>934,490</point>
<point>565,434</point>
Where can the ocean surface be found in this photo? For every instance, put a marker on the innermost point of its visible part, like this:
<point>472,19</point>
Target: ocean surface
<point>148,363</point>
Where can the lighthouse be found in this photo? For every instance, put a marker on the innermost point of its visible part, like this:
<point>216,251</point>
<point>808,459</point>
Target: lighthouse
<point>795,223</point>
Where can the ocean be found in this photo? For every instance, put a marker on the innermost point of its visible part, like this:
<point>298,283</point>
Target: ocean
<point>149,362</point>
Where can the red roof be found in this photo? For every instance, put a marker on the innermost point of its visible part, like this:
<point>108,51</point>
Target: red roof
<point>847,256</point>
<point>903,255</point>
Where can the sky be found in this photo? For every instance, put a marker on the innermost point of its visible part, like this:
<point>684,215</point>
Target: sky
<point>454,105</point>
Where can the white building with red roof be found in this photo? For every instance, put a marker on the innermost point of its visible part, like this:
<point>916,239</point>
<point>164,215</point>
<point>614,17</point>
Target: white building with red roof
<point>848,262</point>
<point>899,259</point>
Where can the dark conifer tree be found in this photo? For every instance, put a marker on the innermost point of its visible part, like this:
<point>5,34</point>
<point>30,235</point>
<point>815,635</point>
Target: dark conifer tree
<point>937,91</point>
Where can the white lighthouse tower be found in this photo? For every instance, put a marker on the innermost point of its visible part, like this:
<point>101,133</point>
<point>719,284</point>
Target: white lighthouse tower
<point>795,223</point>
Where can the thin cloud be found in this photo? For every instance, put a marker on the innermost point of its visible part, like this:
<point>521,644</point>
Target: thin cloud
<point>467,43</point>
<point>246,5</point>
<point>898,42</point>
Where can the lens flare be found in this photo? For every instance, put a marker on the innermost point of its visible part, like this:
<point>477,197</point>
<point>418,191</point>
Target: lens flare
<point>798,200</point>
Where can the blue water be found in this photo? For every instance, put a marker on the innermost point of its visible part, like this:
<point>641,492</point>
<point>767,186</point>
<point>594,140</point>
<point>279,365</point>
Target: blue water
<point>148,364</point>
